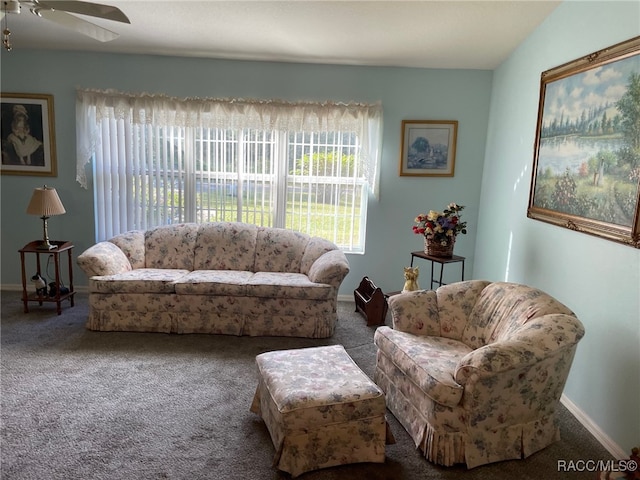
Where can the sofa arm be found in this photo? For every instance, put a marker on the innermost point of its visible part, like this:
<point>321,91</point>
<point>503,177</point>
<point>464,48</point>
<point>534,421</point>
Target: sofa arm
<point>415,312</point>
<point>330,268</point>
<point>104,258</point>
<point>531,343</point>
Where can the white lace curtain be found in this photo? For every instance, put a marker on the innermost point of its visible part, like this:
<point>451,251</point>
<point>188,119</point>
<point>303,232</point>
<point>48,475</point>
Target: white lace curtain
<point>93,106</point>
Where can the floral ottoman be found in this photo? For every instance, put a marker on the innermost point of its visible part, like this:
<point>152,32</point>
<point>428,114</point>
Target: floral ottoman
<point>321,410</point>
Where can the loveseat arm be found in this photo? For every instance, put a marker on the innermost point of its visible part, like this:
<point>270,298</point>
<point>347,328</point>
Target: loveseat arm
<point>103,258</point>
<point>330,268</point>
<point>533,342</point>
<point>518,381</point>
<point>415,312</point>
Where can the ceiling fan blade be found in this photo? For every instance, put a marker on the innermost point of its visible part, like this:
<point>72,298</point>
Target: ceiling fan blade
<point>78,24</point>
<point>85,8</point>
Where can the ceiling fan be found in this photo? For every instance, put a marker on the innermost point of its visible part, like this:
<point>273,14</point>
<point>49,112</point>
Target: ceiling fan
<point>60,12</point>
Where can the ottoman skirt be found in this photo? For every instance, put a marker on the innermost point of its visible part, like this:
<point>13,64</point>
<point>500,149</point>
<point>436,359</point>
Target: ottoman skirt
<point>321,410</point>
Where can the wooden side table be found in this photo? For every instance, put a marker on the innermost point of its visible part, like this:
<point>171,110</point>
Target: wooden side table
<point>442,261</point>
<point>58,298</point>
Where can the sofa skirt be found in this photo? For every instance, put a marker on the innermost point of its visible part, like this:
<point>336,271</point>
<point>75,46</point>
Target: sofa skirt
<point>227,315</point>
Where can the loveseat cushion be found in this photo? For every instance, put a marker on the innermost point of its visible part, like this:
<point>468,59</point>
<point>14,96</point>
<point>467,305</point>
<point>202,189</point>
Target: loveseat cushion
<point>140,280</point>
<point>226,246</point>
<point>429,362</point>
<point>455,304</point>
<point>504,307</point>
<point>214,282</point>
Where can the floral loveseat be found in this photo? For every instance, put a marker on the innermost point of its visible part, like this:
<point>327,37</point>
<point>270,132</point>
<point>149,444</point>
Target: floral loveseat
<point>474,370</point>
<point>223,278</point>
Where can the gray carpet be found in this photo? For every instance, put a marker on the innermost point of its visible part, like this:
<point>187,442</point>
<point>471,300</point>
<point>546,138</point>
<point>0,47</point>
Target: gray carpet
<point>86,405</point>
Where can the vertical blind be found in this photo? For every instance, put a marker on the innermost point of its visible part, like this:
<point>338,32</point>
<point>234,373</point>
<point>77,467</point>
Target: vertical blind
<point>159,160</point>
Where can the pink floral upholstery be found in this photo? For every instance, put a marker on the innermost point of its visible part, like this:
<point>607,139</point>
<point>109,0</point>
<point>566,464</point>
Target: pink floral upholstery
<point>132,244</point>
<point>225,277</point>
<point>226,246</point>
<point>171,246</point>
<point>140,280</point>
<point>321,410</point>
<point>474,370</point>
<point>108,259</point>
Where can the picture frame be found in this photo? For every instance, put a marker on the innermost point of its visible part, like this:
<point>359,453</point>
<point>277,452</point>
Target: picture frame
<point>586,166</point>
<point>27,132</point>
<point>428,148</point>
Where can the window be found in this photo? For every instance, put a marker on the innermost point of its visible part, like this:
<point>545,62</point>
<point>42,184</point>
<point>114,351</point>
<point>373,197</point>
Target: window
<point>158,160</point>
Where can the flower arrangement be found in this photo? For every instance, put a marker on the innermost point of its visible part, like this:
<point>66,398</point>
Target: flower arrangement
<point>441,227</point>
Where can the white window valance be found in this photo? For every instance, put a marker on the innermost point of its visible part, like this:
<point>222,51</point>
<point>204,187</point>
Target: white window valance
<point>94,106</point>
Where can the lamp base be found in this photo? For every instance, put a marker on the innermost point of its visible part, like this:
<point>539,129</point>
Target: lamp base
<point>46,244</point>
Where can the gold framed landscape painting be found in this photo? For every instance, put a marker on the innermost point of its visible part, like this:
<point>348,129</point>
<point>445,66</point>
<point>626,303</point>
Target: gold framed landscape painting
<point>28,134</point>
<point>428,148</point>
<point>586,169</point>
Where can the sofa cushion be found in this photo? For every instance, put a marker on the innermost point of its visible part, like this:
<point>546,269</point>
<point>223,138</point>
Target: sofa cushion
<point>316,247</point>
<point>140,280</point>
<point>132,244</point>
<point>287,285</point>
<point>214,282</point>
<point>504,307</point>
<point>225,246</point>
<point>279,250</point>
<point>429,362</point>
<point>171,246</point>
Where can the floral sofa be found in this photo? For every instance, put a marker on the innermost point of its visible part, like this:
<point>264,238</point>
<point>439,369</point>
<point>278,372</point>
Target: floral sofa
<point>474,370</point>
<point>222,278</point>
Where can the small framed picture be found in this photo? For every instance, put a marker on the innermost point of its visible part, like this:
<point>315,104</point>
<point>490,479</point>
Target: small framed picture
<point>27,133</point>
<point>428,148</point>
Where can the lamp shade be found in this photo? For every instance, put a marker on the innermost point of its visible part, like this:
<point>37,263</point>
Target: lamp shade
<point>45,202</point>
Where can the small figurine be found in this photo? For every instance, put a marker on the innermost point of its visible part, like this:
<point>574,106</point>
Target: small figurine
<point>411,279</point>
<point>40,284</point>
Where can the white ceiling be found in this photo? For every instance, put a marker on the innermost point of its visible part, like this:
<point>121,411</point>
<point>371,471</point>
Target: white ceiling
<point>430,34</point>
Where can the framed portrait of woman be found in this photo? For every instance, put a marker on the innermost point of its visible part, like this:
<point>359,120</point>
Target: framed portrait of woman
<point>27,134</point>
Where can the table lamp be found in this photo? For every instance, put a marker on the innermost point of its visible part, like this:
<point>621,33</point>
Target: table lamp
<point>45,203</point>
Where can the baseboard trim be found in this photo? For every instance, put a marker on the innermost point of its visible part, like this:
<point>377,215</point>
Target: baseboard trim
<point>11,288</point>
<point>18,288</point>
<point>612,447</point>
<point>345,298</point>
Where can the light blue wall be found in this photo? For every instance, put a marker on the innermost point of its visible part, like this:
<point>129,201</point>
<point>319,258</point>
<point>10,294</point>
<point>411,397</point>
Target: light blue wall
<point>598,279</point>
<point>416,94</point>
